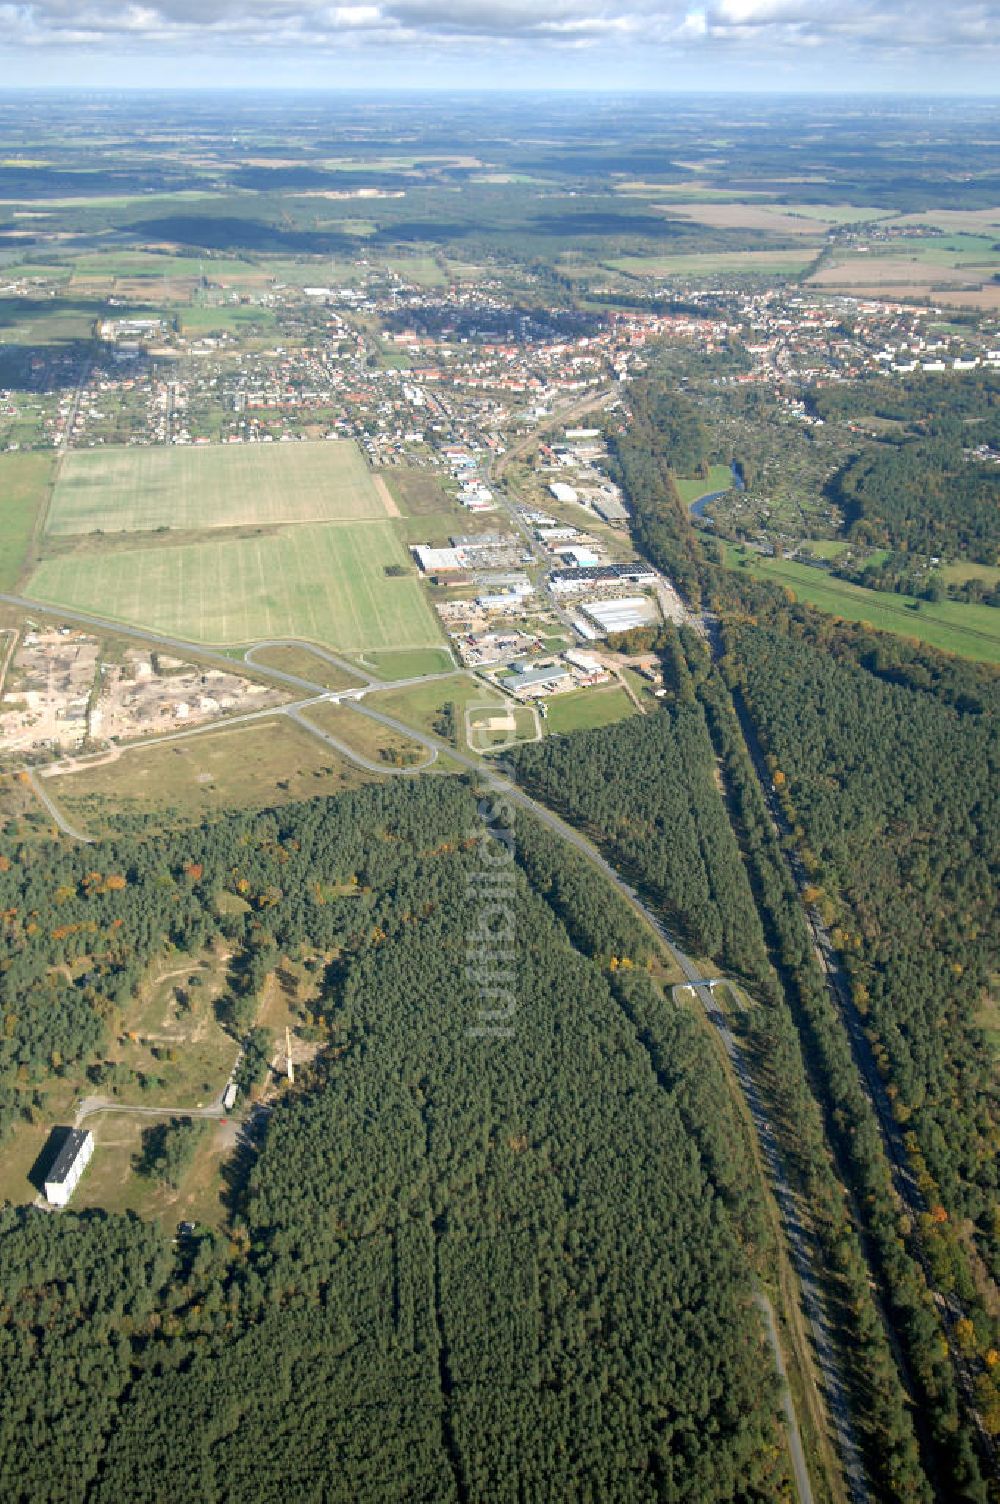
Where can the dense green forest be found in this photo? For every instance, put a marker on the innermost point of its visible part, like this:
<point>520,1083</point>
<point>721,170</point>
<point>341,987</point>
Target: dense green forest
<point>647,789</point>
<point>960,682</point>
<point>922,489</point>
<point>463,1266</point>
<point>947,404</point>
<point>925,496</point>
<point>647,786</point>
<point>804,1058</point>
<point>625,786</point>
<point>665,437</point>
<point>896,796</point>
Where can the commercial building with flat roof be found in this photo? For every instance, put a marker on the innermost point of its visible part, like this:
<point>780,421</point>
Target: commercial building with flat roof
<point>527,680</point>
<point>620,615</point>
<point>610,508</point>
<point>439,560</point>
<point>576,556</point>
<point>633,573</point>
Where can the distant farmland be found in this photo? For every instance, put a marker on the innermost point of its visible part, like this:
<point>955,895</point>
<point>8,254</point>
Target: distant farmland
<point>324,583</point>
<point>707,263</point>
<point>191,488</point>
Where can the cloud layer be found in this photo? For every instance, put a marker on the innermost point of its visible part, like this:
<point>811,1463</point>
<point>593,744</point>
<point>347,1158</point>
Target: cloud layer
<point>729,28</point>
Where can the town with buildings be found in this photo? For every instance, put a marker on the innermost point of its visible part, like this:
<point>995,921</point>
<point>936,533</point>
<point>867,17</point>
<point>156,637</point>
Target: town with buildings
<point>440,378</point>
<point>462,384</point>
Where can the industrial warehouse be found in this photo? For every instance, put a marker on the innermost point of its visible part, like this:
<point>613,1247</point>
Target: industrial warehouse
<point>585,576</point>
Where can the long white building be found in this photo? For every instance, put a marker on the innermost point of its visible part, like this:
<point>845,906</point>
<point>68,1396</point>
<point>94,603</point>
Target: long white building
<point>71,1161</point>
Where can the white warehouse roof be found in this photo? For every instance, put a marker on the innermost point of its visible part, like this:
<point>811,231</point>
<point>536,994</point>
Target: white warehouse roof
<point>618,616</point>
<point>438,560</point>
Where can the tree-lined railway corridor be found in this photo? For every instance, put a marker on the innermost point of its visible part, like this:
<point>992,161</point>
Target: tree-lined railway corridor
<point>503,787</point>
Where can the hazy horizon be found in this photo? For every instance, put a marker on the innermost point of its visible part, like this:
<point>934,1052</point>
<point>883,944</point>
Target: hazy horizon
<point>757,46</point>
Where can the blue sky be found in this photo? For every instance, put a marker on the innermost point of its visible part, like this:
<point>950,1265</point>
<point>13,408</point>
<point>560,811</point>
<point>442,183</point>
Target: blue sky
<point>765,45</point>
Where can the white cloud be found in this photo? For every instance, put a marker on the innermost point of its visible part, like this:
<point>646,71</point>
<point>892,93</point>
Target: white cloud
<point>765,27</point>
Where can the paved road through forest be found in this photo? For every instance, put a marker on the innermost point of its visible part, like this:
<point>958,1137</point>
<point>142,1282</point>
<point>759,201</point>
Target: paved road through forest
<point>488,774</point>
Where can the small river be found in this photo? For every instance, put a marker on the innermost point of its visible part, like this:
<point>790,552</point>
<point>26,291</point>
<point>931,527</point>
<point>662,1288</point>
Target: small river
<point>697,508</point>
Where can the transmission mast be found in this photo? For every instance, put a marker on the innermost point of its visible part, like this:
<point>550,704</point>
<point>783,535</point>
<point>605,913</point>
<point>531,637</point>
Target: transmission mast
<point>289,1067</point>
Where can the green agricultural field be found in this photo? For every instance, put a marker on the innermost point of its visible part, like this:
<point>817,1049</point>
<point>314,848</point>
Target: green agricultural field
<point>218,485</point>
<point>646,188</point>
<point>948,250</point>
<point>834,548</point>
<point>825,548</point>
<point>463,271</point>
<point>963,570</point>
<point>24,483</point>
<point>840,214</point>
<point>122,200</point>
<point>16,271</point>
<point>153,264</point>
<point>324,583</point>
<point>969,631</point>
<point>748,263</point>
<point>332,271</point>
<point>206,318</point>
<point>423,270</point>
<point>55,321</point>
<point>689,488</point>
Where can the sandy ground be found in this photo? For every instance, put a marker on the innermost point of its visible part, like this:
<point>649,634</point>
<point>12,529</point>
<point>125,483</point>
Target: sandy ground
<point>392,510</point>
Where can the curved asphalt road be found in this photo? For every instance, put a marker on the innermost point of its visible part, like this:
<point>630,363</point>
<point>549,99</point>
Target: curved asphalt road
<point>359,757</point>
<point>56,813</point>
<point>516,796</point>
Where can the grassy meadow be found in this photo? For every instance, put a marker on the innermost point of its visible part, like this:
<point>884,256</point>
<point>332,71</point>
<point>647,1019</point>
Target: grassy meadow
<point>264,763</point>
<point>705,264</point>
<point>690,488</point>
<point>24,483</point>
<point>585,709</point>
<point>967,630</point>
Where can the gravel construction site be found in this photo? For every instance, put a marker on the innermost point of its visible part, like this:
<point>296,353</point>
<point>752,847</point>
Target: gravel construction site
<point>59,695</point>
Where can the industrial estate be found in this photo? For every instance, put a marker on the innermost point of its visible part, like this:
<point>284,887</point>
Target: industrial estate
<point>499,627</point>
